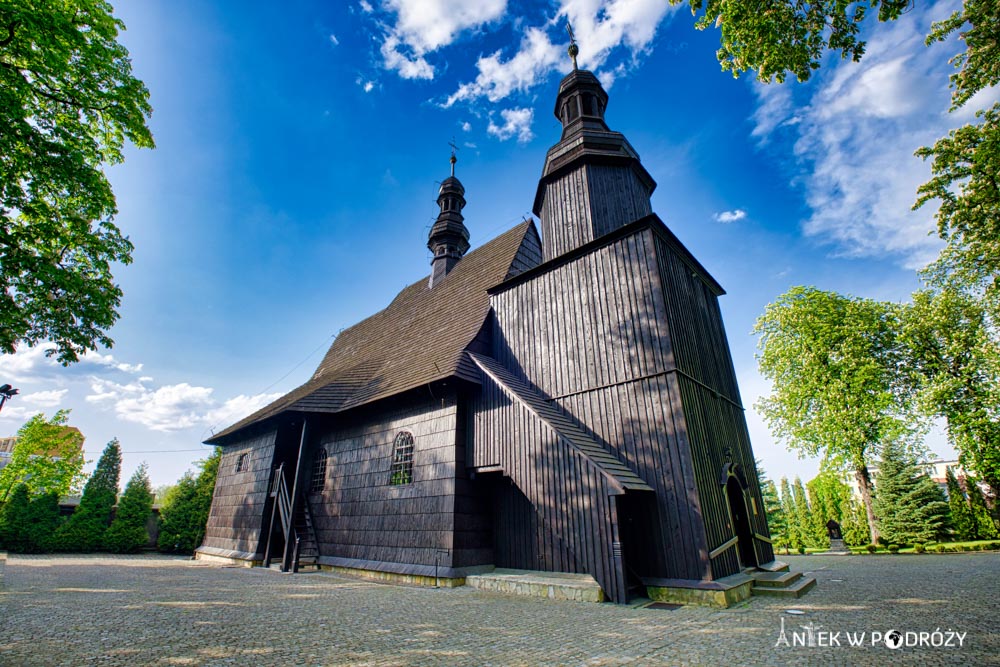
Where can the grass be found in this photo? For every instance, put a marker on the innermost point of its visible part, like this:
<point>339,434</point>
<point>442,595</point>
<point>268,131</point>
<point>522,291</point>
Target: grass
<point>930,547</point>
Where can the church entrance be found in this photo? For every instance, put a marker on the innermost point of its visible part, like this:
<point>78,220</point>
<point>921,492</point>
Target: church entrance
<point>741,522</point>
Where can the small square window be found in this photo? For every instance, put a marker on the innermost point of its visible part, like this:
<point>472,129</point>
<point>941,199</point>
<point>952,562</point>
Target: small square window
<point>243,462</point>
<point>319,473</point>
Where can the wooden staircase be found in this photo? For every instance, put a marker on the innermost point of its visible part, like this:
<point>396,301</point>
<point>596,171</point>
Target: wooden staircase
<point>780,582</point>
<point>305,533</point>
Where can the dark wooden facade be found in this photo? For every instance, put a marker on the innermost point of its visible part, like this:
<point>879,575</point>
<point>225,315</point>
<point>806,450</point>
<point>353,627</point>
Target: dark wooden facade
<point>571,400</point>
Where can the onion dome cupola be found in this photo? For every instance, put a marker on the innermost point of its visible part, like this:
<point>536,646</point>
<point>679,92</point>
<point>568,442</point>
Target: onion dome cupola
<point>449,238</point>
<point>593,182</point>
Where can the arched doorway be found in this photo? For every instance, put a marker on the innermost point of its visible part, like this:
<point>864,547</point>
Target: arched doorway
<point>741,521</point>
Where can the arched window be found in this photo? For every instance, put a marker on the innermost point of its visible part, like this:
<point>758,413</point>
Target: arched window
<point>243,462</point>
<point>319,473</point>
<point>401,471</point>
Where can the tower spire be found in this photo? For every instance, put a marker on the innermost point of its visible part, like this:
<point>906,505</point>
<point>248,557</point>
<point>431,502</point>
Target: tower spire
<point>573,49</point>
<point>449,238</point>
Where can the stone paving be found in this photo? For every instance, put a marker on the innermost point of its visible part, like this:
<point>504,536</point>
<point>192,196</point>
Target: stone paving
<point>61,610</point>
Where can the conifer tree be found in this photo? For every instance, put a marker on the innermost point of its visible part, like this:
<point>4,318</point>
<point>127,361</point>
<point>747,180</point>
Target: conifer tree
<point>910,507</point>
<point>855,525</point>
<point>962,520</point>
<point>84,530</point>
<point>43,521</point>
<point>985,529</point>
<point>14,520</point>
<point>127,533</point>
<point>185,509</point>
<point>803,522</point>
<point>790,538</point>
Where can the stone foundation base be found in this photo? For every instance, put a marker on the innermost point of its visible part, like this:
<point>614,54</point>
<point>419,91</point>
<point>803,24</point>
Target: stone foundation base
<point>223,557</point>
<point>551,585</point>
<point>721,593</point>
<point>396,577</point>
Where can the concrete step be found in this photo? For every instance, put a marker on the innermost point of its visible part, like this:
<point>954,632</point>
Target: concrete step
<point>795,590</point>
<point>774,579</point>
<point>531,583</point>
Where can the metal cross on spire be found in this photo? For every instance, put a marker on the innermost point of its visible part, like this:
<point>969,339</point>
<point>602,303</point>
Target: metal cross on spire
<point>573,49</point>
<point>453,160</point>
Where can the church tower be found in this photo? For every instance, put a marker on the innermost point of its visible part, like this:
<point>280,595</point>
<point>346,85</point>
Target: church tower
<point>449,237</point>
<point>593,182</point>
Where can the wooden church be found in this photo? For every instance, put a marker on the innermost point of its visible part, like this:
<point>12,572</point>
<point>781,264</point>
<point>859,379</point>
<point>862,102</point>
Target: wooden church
<point>563,401</point>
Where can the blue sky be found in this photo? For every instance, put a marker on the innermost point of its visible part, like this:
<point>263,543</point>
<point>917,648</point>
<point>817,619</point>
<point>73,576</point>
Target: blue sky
<point>300,145</point>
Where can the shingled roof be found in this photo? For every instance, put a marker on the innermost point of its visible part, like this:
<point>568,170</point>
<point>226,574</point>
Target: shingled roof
<point>419,338</point>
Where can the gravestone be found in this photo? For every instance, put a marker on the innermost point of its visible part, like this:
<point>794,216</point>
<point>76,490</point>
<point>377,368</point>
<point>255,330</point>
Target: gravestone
<point>837,545</point>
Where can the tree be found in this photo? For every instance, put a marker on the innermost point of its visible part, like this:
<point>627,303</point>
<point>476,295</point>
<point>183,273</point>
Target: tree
<point>985,528</point>
<point>68,103</point>
<point>962,520</point>
<point>804,523</point>
<point>832,361</point>
<point>48,457</point>
<point>790,539</point>
<point>911,508</point>
<point>855,525</point>
<point>954,365</point>
<point>43,521</point>
<point>828,497</point>
<point>84,530</point>
<point>127,532</point>
<point>184,512</point>
<point>14,520</point>
<point>776,522</point>
<point>785,36</point>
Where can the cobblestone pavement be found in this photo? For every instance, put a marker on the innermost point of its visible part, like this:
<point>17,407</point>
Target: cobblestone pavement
<point>167,611</point>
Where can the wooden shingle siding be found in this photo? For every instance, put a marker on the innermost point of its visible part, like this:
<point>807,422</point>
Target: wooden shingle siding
<point>592,334</point>
<point>715,423</point>
<point>235,521</point>
<point>360,515</point>
<point>586,203</point>
<point>569,515</point>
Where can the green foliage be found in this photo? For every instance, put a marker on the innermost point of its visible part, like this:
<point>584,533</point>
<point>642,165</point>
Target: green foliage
<point>893,548</point>
<point>985,527</point>
<point>68,103</point>
<point>185,508</point>
<point>979,66</point>
<point>833,364</point>
<point>828,497</point>
<point>919,548</point>
<point>14,520</point>
<point>953,361</point>
<point>909,505</point>
<point>48,457</point>
<point>786,36</point>
<point>127,532</point>
<point>84,530</point>
<point>776,523</point>
<point>871,548</point>
<point>855,525</point>
<point>963,522</point>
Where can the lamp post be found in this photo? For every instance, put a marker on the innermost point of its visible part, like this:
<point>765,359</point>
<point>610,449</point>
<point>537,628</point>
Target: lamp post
<point>6,392</point>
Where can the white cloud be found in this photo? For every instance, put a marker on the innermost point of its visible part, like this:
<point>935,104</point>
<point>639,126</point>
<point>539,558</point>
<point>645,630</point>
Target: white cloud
<point>45,399</point>
<point>366,7</point>
<point>600,26</point>
<point>466,126</point>
<point>334,40</point>
<point>34,363</point>
<point>855,140</point>
<point>497,79</point>
<point>730,216</point>
<point>517,123</point>
<point>172,407</point>
<point>603,25</point>
<point>424,26</point>
<point>408,67</point>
